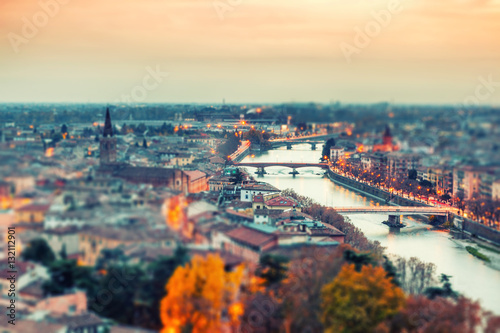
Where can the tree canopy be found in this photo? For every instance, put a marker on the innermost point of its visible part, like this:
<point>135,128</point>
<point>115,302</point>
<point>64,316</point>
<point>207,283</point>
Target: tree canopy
<point>358,301</point>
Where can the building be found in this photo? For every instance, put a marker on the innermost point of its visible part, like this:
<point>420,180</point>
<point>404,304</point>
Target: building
<point>220,180</point>
<point>441,178</point>
<point>197,181</point>
<point>475,181</point>
<point>336,153</point>
<point>249,190</point>
<point>107,144</point>
<point>93,240</point>
<point>400,163</point>
<point>387,143</point>
<point>181,159</point>
<point>374,161</point>
<point>31,214</point>
<point>274,202</point>
<point>495,189</point>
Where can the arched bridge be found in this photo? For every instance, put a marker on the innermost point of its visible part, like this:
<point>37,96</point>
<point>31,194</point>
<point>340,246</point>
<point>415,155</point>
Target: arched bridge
<point>283,164</point>
<point>395,212</point>
<point>262,165</point>
<point>312,140</point>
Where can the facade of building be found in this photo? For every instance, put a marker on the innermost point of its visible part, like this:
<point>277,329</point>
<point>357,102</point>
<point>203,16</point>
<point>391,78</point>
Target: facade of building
<point>475,181</point>
<point>197,180</point>
<point>249,190</point>
<point>336,153</point>
<point>400,163</point>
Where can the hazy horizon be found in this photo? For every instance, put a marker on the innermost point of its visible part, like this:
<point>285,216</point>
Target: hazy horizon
<point>423,53</point>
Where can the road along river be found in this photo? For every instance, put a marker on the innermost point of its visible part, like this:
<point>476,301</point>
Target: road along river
<point>470,276</point>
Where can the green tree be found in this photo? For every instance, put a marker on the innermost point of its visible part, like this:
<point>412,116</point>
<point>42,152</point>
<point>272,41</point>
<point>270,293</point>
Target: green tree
<point>446,291</point>
<point>65,275</point>
<point>358,259</point>
<point>272,268</point>
<point>326,149</point>
<point>39,251</point>
<point>153,290</point>
<point>63,253</point>
<point>122,282</point>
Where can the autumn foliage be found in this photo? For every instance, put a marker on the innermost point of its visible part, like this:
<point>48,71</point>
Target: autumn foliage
<point>202,297</point>
<point>441,315</point>
<point>358,301</point>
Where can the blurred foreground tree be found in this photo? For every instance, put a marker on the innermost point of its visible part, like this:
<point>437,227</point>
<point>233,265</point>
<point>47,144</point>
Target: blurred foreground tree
<point>359,301</point>
<point>200,296</point>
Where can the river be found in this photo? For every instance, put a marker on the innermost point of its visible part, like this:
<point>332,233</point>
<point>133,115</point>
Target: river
<point>470,276</point>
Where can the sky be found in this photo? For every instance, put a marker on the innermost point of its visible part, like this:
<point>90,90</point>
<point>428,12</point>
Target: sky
<point>250,51</point>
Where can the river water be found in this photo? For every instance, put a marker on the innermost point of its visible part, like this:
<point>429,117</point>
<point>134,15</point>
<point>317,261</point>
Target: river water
<point>470,276</point>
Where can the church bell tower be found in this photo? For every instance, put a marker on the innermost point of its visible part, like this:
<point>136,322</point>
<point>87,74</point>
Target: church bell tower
<point>107,144</point>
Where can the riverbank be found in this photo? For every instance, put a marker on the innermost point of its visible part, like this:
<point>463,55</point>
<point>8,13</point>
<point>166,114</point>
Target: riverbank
<point>471,276</point>
<point>467,229</point>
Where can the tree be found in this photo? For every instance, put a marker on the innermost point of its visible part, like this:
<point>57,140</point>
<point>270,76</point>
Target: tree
<point>38,251</point>
<point>298,300</point>
<point>63,253</point>
<point>358,259</point>
<point>445,291</point>
<point>421,314</point>
<point>231,145</point>
<point>110,257</point>
<point>96,139</point>
<point>412,174</point>
<point>198,294</point>
<point>272,268</point>
<point>116,294</point>
<point>326,149</point>
<point>359,301</point>
<point>65,275</point>
<point>64,129</point>
<point>144,143</point>
<point>153,290</point>
<point>414,275</point>
<point>445,197</point>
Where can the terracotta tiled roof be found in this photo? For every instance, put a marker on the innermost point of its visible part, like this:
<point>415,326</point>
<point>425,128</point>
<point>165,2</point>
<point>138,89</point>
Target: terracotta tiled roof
<point>194,175</point>
<point>33,289</point>
<point>34,208</point>
<point>282,202</point>
<point>31,326</point>
<point>258,198</point>
<point>250,236</point>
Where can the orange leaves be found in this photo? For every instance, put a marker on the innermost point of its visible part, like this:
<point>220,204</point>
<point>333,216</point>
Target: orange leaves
<point>175,212</point>
<point>358,301</point>
<point>197,295</point>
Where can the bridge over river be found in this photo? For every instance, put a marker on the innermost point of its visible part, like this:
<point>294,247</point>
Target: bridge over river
<point>395,212</point>
<point>293,165</point>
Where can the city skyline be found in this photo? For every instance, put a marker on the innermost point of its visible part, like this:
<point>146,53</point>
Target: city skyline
<point>251,52</point>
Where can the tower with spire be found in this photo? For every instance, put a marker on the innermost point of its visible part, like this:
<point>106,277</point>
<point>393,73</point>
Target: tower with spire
<point>107,144</point>
<point>387,138</point>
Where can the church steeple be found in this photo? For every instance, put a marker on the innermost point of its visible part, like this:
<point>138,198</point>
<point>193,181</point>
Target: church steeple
<point>107,144</point>
<point>108,128</point>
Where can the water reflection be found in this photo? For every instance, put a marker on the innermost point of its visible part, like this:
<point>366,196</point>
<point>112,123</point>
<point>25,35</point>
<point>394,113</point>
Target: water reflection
<point>471,276</point>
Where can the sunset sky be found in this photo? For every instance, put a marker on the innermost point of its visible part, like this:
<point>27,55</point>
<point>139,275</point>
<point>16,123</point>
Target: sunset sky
<point>270,51</point>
